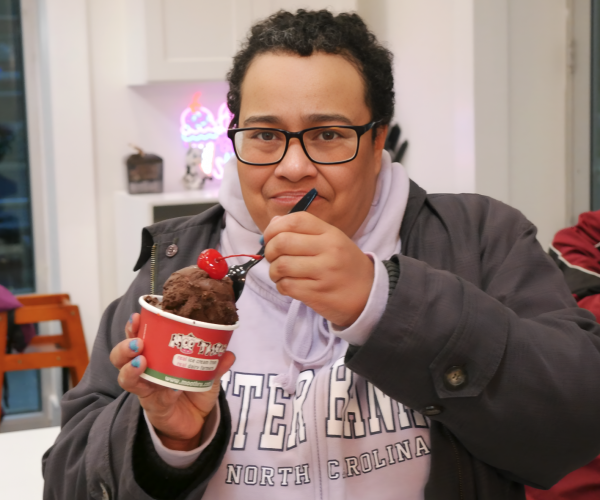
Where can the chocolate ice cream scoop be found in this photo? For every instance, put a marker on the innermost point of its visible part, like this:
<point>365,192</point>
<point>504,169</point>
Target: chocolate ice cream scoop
<point>192,293</point>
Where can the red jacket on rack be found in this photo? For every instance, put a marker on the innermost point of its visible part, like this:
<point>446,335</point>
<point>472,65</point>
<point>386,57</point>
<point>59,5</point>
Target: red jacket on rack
<point>576,250</point>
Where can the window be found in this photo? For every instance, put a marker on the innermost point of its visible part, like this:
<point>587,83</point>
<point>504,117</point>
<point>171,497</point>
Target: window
<point>16,243</point>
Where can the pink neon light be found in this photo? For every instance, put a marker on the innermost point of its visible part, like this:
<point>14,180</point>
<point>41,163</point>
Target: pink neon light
<point>200,128</point>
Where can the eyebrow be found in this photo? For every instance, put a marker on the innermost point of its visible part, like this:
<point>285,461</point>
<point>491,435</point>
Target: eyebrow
<point>318,117</point>
<point>271,119</point>
<point>313,118</point>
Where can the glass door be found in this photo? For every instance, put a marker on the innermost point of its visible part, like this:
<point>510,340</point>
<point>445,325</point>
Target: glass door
<point>17,274</point>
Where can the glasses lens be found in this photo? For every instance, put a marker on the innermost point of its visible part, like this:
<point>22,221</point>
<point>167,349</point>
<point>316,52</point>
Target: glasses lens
<point>260,145</point>
<point>331,144</point>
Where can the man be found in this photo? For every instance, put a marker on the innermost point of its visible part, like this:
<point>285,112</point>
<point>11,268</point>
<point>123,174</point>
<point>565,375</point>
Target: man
<point>393,344</point>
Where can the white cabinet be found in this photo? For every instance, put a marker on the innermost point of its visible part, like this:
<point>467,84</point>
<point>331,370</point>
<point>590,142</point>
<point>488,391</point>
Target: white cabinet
<point>192,40</point>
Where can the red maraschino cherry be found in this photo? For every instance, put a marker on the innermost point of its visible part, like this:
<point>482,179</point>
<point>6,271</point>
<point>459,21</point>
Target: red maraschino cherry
<point>214,263</point>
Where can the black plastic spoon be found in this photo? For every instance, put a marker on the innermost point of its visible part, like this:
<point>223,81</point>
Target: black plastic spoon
<point>238,273</point>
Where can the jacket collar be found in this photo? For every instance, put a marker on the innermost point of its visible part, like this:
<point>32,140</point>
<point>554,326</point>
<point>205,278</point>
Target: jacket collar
<point>211,221</point>
<point>416,199</point>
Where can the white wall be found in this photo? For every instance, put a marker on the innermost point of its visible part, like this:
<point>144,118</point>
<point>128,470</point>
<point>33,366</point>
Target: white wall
<point>538,167</point>
<point>491,98</point>
<point>481,97</point>
<point>147,116</point>
<point>579,106</point>
<point>434,79</point>
<point>62,163</point>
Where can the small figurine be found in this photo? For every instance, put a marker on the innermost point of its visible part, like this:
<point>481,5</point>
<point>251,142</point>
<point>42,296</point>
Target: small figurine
<point>192,178</point>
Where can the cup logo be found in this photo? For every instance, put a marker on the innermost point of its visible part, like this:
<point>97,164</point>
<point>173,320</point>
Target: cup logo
<point>187,343</point>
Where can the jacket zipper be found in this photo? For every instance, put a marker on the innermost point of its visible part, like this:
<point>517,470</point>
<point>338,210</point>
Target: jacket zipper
<point>153,269</point>
<point>461,490</point>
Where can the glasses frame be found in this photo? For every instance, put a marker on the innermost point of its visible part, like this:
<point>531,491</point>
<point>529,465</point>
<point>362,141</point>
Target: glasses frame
<point>359,129</point>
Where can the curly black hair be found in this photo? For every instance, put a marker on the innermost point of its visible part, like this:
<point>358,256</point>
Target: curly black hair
<point>306,32</point>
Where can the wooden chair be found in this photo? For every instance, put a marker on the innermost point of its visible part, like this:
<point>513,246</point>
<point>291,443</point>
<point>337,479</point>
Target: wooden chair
<point>65,350</point>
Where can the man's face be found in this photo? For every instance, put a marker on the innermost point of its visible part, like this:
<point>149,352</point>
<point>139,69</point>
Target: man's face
<point>294,93</point>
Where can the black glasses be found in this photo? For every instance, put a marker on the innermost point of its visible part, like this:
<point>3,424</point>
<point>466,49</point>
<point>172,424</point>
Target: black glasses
<point>324,145</point>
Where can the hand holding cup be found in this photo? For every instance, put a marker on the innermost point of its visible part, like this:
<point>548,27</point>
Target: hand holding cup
<point>177,416</point>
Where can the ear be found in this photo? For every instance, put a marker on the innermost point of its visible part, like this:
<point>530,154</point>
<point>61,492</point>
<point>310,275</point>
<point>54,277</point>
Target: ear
<point>380,136</point>
<point>378,143</point>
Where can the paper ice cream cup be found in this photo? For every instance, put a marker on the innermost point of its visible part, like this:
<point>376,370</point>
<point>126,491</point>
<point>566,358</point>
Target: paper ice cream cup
<point>181,353</point>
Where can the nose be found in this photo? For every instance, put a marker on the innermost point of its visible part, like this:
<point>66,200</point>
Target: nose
<point>295,165</point>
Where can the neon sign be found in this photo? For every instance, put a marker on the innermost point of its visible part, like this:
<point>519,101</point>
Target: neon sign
<point>202,130</point>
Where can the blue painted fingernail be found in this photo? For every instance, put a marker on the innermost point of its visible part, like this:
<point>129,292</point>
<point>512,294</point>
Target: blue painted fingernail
<point>262,240</point>
<point>135,362</point>
<point>130,319</point>
<point>133,345</point>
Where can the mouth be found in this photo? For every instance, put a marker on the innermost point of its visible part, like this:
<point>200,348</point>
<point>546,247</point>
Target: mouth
<point>290,198</point>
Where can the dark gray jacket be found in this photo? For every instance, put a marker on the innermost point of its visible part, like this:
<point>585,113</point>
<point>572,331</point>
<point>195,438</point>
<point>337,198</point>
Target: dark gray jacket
<point>476,291</point>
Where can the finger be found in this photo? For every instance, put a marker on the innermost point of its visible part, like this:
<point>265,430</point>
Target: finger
<point>304,290</point>
<point>225,364</point>
<point>200,398</point>
<point>125,351</point>
<point>132,326</point>
<point>293,244</point>
<point>129,378</point>
<point>309,268</point>
<point>299,222</point>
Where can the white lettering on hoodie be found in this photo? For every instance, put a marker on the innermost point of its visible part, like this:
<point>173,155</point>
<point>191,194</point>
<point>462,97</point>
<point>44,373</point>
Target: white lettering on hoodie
<point>338,437</point>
